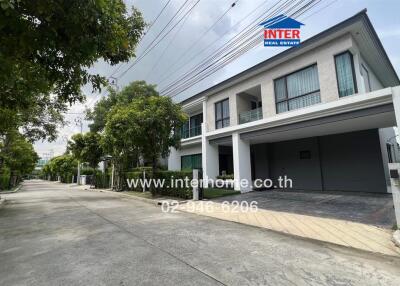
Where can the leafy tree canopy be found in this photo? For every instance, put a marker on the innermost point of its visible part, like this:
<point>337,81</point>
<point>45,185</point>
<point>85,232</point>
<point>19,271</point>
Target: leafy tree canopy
<point>17,154</point>
<point>86,148</point>
<point>47,48</point>
<point>99,113</point>
<point>146,124</point>
<point>60,165</point>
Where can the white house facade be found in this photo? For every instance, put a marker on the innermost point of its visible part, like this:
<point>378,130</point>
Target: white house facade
<point>321,113</point>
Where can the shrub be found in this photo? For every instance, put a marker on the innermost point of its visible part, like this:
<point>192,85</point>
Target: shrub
<point>102,180</point>
<point>5,179</point>
<point>226,177</point>
<point>141,169</point>
<point>178,190</point>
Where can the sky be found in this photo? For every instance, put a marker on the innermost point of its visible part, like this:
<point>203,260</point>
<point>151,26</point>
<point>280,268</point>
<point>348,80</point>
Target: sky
<point>167,60</point>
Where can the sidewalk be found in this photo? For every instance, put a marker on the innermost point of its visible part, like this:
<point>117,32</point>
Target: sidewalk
<point>341,232</point>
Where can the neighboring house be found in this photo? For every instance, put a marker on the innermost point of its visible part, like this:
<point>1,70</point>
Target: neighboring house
<point>321,113</point>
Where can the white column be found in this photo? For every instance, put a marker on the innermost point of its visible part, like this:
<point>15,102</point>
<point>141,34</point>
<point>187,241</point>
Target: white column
<point>210,155</point>
<point>210,158</point>
<point>174,160</point>
<point>394,182</point>
<point>241,164</point>
<point>396,103</point>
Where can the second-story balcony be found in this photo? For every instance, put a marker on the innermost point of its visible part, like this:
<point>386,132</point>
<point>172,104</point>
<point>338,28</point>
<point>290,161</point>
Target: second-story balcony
<point>251,115</point>
<point>192,132</point>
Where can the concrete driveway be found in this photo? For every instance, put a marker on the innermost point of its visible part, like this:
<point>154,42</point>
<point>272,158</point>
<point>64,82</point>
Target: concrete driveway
<point>367,208</point>
<point>54,235</point>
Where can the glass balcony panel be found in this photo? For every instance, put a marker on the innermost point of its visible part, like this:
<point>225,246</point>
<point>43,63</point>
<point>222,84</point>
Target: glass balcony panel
<point>250,116</point>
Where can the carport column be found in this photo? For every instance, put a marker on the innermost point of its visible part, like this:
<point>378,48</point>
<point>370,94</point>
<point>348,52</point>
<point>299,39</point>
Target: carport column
<point>241,164</point>
<point>396,189</point>
<point>174,160</point>
<point>210,158</point>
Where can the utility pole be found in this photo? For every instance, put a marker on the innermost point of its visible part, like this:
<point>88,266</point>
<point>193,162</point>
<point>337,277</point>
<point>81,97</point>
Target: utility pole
<point>78,122</point>
<point>113,81</point>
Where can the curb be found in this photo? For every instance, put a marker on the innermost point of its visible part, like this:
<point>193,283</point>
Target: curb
<point>146,200</point>
<point>157,202</point>
<point>13,191</point>
<point>396,238</point>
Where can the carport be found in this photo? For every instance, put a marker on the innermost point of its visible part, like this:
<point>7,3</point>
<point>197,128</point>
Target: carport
<point>340,152</point>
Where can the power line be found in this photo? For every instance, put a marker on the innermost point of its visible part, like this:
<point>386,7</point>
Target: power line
<point>182,56</point>
<point>151,46</point>
<point>230,43</point>
<point>167,47</point>
<point>158,16</point>
<point>210,66</point>
<point>145,33</point>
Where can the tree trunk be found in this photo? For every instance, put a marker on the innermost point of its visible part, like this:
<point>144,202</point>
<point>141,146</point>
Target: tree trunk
<point>94,178</point>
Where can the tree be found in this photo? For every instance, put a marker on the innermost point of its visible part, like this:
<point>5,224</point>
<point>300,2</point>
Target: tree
<point>63,166</point>
<point>119,142</point>
<point>47,48</point>
<point>146,126</point>
<point>18,156</point>
<point>86,148</point>
<point>156,120</point>
<point>99,113</point>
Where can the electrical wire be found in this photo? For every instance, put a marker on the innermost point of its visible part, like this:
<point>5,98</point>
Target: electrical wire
<point>210,67</point>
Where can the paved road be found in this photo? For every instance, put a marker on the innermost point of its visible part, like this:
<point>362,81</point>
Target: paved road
<point>54,235</point>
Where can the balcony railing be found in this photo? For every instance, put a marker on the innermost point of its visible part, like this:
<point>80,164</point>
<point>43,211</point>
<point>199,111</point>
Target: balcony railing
<point>194,131</point>
<point>250,116</point>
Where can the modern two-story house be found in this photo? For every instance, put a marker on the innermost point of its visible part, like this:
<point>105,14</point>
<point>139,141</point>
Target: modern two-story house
<point>321,113</point>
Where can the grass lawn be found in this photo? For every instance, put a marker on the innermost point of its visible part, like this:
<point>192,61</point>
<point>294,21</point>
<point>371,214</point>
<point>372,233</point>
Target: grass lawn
<point>213,193</point>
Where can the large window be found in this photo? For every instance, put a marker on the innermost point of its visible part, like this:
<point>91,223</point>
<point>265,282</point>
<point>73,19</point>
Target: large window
<point>190,162</point>
<point>297,90</point>
<point>222,114</point>
<point>345,74</point>
<point>195,124</point>
<point>192,127</point>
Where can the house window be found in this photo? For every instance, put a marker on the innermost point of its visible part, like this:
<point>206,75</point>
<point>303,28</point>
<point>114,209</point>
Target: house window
<point>222,114</point>
<point>367,80</point>
<point>297,90</point>
<point>345,74</point>
<point>195,124</point>
<point>192,127</point>
<point>185,130</point>
<point>190,162</point>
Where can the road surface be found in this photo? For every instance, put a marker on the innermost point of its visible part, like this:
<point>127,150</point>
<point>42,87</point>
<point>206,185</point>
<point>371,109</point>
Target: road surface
<point>52,234</point>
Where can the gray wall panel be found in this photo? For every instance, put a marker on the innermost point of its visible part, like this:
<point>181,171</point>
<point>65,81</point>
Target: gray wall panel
<point>353,162</point>
<point>285,160</point>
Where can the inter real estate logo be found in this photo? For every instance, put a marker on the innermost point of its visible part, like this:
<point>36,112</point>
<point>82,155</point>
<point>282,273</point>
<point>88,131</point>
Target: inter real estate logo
<point>281,31</point>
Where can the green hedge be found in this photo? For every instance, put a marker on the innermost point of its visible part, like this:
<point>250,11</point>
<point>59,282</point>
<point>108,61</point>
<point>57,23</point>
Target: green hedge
<point>5,179</point>
<point>226,177</point>
<point>102,180</point>
<point>66,178</point>
<point>179,190</point>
